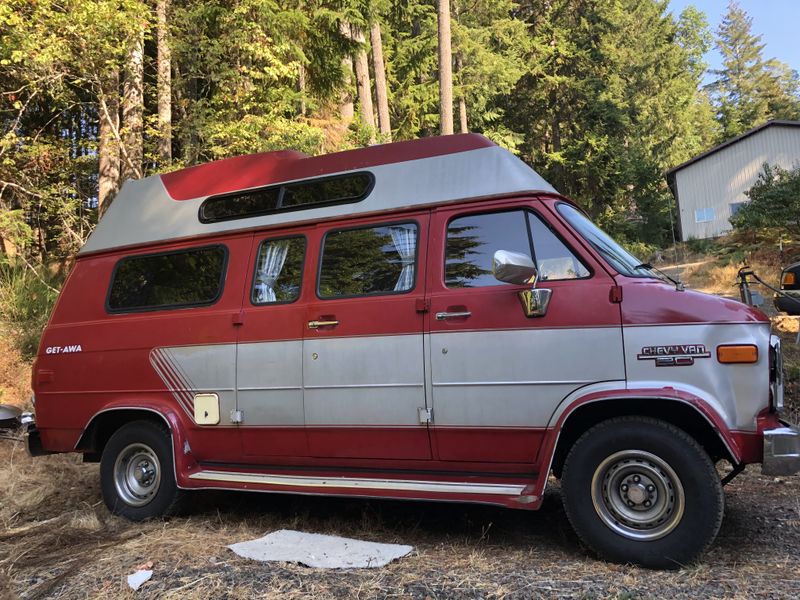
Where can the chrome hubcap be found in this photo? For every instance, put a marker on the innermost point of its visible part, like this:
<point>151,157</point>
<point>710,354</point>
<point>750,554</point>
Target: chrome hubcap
<point>137,474</point>
<point>637,495</point>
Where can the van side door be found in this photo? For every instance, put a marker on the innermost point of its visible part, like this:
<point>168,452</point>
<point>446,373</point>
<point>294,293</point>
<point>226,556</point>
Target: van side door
<point>363,366</point>
<point>496,374</point>
<point>269,362</point>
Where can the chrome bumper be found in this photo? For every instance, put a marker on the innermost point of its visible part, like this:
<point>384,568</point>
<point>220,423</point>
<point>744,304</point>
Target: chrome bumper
<point>781,451</point>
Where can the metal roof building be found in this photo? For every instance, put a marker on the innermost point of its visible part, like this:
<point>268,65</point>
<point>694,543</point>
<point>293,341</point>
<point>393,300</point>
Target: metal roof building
<point>711,187</point>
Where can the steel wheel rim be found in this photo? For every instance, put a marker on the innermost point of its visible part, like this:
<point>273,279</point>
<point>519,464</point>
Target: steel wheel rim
<point>137,474</point>
<point>638,495</point>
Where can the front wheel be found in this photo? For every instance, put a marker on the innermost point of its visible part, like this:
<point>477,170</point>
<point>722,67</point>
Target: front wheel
<point>137,474</point>
<point>639,490</point>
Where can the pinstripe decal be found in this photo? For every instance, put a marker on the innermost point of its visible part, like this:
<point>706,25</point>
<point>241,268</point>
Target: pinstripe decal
<point>182,391</point>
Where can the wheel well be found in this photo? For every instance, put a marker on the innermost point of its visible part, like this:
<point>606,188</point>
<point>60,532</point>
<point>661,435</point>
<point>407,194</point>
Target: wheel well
<point>674,412</point>
<point>103,426</point>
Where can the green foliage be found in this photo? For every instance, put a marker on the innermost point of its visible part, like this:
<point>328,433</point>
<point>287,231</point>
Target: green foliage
<point>611,100</point>
<point>26,297</point>
<point>701,246</point>
<point>774,201</point>
<point>749,89</point>
<point>600,97</point>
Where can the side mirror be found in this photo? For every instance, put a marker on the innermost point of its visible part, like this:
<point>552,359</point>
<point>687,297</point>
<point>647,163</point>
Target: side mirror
<point>517,268</point>
<point>513,267</point>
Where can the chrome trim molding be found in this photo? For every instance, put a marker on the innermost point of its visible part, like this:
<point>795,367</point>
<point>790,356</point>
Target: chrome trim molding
<point>345,386</point>
<point>447,487</point>
<point>540,382</point>
<point>776,383</point>
<point>781,451</point>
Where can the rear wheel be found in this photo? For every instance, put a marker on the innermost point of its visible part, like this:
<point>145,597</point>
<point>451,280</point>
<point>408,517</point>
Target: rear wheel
<point>137,473</point>
<point>639,490</point>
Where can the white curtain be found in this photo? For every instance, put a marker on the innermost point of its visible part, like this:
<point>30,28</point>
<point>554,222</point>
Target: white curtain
<point>269,269</point>
<point>405,242</point>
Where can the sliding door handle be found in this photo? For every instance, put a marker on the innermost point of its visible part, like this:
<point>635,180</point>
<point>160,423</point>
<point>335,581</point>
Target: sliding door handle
<point>316,324</point>
<point>441,316</point>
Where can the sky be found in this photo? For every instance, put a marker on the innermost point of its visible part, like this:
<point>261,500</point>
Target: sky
<point>775,20</point>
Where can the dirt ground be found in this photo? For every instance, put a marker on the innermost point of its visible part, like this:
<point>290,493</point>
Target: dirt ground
<point>60,542</point>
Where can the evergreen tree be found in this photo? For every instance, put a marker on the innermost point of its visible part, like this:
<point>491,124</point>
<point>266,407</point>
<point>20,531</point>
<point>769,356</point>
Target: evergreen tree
<point>749,90</point>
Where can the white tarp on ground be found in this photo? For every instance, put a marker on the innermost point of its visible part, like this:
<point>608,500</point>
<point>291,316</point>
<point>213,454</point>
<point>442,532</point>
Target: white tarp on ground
<point>322,551</point>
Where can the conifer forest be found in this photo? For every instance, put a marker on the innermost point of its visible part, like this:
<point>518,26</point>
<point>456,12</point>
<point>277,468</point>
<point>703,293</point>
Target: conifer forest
<point>599,96</point>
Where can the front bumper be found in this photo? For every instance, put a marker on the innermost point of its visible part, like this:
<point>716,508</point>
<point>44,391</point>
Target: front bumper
<point>788,303</point>
<point>781,450</point>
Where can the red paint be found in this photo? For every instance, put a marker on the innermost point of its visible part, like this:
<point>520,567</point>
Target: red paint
<point>256,170</point>
<point>652,302</point>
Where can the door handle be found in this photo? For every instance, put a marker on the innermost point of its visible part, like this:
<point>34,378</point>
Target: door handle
<point>441,316</point>
<point>316,324</point>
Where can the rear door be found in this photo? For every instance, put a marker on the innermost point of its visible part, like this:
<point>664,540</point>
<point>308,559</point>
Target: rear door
<point>363,366</point>
<point>496,374</point>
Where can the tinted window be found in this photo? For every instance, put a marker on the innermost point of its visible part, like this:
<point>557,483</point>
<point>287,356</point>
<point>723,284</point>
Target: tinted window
<point>338,189</point>
<point>279,271</point>
<point>185,278</point>
<point>472,241</point>
<point>375,260</point>
<point>250,204</point>
<point>353,187</point>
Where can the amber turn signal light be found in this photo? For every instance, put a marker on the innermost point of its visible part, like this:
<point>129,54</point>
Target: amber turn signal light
<point>743,354</point>
<point>788,279</point>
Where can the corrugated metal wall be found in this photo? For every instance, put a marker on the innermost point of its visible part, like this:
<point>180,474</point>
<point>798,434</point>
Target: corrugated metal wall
<point>719,180</point>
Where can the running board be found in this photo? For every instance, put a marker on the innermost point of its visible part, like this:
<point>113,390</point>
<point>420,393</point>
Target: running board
<point>369,485</point>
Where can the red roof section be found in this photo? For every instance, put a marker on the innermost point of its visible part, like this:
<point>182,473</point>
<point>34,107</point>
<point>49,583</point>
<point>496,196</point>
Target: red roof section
<point>256,170</point>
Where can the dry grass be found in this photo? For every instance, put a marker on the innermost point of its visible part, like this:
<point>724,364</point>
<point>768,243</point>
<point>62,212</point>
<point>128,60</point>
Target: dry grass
<point>70,547</point>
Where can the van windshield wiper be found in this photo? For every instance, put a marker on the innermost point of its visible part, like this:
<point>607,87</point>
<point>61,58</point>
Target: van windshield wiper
<point>649,267</point>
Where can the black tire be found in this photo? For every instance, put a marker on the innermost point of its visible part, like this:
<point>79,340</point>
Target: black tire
<point>137,474</point>
<point>641,491</point>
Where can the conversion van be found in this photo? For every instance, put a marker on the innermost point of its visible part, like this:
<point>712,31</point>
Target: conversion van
<point>426,320</point>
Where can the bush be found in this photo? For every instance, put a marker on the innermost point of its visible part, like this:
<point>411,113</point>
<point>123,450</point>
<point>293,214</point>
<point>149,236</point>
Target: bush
<point>774,201</point>
<point>701,246</point>
<point>27,296</point>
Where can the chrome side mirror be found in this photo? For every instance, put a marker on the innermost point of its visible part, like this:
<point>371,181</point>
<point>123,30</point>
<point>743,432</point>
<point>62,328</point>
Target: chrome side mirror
<point>513,267</point>
<point>517,268</point>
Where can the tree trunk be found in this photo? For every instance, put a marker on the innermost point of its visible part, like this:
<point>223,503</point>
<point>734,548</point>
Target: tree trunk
<point>301,87</point>
<point>462,102</point>
<point>346,109</point>
<point>133,109</point>
<point>346,98</point>
<point>363,84</point>
<point>445,70</point>
<point>164,85</point>
<point>381,91</point>
<point>108,144</point>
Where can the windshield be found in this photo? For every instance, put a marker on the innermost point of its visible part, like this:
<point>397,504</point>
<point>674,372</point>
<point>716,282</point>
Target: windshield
<point>619,258</point>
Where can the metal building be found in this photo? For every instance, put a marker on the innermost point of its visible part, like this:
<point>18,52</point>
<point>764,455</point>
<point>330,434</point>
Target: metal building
<point>711,187</point>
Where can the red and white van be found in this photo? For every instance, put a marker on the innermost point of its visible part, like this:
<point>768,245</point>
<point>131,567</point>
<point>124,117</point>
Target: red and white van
<point>427,320</point>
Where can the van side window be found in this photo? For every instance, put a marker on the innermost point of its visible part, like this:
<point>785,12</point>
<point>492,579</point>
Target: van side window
<point>472,241</point>
<point>313,193</point>
<point>553,259</point>
<point>365,261</point>
<point>170,280</point>
<point>279,271</point>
